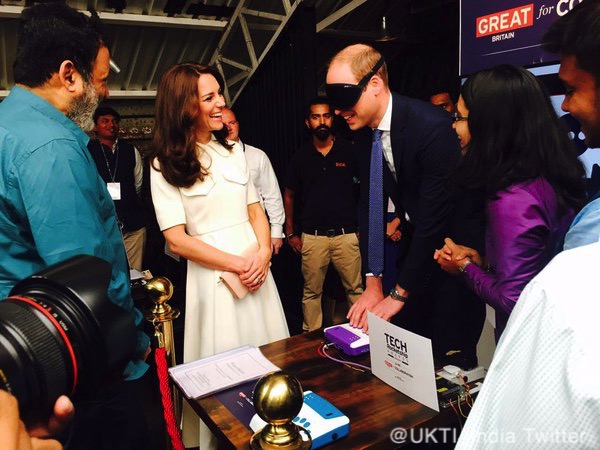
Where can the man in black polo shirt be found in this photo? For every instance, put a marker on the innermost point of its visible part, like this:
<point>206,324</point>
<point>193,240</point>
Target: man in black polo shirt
<point>321,177</point>
<point>120,165</point>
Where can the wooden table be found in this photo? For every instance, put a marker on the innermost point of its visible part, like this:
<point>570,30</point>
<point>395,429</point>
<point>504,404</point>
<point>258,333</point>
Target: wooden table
<point>374,408</point>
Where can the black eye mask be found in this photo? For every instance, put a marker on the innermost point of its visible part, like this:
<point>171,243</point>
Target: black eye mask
<point>344,96</point>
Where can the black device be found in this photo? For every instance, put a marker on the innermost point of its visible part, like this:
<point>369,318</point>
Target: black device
<point>344,96</point>
<point>60,334</point>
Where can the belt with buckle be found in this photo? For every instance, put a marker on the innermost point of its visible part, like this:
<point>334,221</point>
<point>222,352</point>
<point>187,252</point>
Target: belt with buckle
<point>331,232</point>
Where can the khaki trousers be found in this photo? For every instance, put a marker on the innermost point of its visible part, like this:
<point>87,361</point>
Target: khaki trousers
<point>135,241</point>
<point>317,252</point>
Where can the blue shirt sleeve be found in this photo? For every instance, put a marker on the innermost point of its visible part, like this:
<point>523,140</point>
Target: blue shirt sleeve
<point>585,228</point>
<point>66,221</point>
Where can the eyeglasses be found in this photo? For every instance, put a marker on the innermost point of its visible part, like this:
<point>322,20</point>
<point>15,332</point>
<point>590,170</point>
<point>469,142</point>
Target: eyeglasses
<point>343,95</point>
<point>456,117</point>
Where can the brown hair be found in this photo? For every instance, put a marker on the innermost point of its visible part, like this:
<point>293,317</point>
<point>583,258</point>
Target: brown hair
<point>361,58</point>
<point>177,110</point>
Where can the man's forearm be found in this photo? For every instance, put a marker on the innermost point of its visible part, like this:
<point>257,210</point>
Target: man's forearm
<point>288,202</point>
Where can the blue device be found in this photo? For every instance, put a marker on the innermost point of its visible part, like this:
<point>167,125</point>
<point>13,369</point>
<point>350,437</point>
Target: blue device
<point>323,421</point>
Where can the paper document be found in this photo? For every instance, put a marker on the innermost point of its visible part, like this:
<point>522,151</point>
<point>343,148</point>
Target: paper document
<point>209,375</point>
<point>404,360</point>
<point>135,275</point>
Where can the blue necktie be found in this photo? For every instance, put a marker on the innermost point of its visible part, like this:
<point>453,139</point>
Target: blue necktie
<point>375,246</point>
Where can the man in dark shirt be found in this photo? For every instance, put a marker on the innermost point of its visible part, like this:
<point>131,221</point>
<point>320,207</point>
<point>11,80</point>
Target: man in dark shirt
<point>120,165</point>
<point>321,176</point>
<point>444,101</point>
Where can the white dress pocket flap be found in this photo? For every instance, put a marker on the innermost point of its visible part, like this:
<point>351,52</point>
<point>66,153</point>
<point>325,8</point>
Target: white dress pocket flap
<point>199,187</point>
<point>235,174</point>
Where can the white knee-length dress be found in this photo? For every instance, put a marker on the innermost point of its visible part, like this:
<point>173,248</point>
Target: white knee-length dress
<point>215,211</point>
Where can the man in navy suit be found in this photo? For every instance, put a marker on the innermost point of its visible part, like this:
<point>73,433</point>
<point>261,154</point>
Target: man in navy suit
<point>419,148</point>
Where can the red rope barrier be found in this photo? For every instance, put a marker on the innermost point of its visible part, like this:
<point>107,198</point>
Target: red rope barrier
<point>160,356</point>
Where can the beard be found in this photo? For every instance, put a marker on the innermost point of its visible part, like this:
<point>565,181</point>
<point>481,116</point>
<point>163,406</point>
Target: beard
<point>592,136</point>
<point>82,109</point>
<point>322,132</point>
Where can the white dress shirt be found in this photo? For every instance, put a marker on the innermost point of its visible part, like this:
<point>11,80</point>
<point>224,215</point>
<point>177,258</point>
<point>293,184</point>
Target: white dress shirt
<point>265,182</point>
<point>542,389</point>
<point>385,125</point>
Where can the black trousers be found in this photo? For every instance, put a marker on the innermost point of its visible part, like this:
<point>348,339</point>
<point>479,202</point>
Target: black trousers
<point>112,419</point>
<point>450,314</point>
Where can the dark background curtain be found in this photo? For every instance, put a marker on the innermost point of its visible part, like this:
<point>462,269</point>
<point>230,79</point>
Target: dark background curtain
<point>422,60</point>
<point>271,108</point>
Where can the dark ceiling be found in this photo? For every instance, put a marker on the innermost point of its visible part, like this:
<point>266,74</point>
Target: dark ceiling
<point>147,36</point>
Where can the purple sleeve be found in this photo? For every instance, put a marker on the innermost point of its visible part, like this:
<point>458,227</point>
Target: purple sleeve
<point>515,246</point>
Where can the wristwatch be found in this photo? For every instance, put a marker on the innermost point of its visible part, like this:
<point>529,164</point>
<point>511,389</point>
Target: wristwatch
<point>397,295</point>
<point>464,265</point>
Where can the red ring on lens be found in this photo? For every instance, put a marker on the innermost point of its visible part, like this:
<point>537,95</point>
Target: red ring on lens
<point>60,330</point>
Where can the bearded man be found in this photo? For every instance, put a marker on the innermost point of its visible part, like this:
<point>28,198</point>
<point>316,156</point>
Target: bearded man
<point>53,204</point>
<point>322,177</point>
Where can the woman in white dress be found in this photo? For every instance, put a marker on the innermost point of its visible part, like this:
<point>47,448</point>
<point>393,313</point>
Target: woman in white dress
<point>209,213</point>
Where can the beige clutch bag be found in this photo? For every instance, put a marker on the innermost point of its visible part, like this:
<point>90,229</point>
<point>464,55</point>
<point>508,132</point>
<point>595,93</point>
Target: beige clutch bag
<point>231,280</point>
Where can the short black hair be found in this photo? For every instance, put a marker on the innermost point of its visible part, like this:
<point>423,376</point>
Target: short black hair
<point>318,100</point>
<point>578,33</point>
<point>51,33</point>
<point>106,111</point>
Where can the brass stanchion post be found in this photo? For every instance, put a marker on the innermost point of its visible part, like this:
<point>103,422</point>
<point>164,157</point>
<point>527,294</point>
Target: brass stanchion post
<point>161,315</point>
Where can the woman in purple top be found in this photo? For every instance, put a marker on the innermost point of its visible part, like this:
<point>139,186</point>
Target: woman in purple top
<point>517,153</point>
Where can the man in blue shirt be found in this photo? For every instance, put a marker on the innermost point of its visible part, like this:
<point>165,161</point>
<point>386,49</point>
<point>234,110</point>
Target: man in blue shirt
<point>53,204</point>
<point>576,37</point>
<point>545,354</point>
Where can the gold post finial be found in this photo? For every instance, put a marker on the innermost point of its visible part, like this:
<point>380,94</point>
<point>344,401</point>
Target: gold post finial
<point>278,398</point>
<point>160,291</point>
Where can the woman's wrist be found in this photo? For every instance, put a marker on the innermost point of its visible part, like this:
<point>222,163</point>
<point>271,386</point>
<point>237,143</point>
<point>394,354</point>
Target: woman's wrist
<point>266,251</point>
<point>464,264</point>
<point>239,265</point>
<point>476,259</point>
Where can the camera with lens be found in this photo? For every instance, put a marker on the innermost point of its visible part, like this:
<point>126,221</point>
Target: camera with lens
<point>60,334</point>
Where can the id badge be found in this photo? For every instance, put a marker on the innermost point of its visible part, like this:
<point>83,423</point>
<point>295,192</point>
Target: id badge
<point>114,189</point>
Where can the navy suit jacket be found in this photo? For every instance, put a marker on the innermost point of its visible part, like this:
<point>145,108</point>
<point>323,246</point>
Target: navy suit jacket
<point>425,149</point>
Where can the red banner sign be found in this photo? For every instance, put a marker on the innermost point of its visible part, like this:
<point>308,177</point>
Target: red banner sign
<point>503,21</point>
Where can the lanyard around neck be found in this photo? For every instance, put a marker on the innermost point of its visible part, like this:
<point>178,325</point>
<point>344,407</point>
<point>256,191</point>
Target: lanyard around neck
<point>115,149</point>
